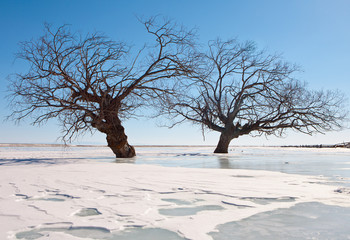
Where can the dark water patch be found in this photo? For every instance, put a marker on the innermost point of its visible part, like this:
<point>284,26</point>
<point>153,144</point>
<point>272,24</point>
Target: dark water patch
<point>302,221</point>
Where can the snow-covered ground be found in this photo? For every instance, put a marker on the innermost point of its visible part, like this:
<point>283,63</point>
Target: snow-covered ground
<point>173,193</point>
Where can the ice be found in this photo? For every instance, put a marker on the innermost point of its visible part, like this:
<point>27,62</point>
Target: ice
<point>176,201</point>
<point>29,235</point>
<point>148,233</point>
<point>303,221</point>
<point>86,212</point>
<point>171,192</point>
<point>101,233</point>
<point>186,211</point>
<point>268,200</point>
<point>81,232</point>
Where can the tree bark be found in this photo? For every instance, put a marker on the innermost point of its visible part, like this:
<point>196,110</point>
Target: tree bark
<point>117,141</point>
<point>223,143</point>
<point>116,137</point>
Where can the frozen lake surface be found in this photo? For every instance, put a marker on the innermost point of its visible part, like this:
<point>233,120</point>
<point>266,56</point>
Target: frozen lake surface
<point>333,163</point>
<point>174,193</point>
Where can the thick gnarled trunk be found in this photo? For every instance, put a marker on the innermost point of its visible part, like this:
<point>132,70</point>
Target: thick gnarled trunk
<point>223,143</point>
<point>116,138</point>
<point>117,141</point>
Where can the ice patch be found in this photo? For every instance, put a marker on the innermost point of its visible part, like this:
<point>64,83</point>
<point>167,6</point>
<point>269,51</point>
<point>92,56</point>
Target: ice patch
<point>303,221</point>
<point>82,232</point>
<point>268,200</point>
<point>134,195</point>
<point>146,233</point>
<point>86,212</point>
<point>187,211</point>
<point>177,201</point>
<point>102,233</point>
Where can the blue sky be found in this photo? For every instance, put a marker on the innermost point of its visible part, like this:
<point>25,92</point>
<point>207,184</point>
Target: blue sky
<point>313,34</point>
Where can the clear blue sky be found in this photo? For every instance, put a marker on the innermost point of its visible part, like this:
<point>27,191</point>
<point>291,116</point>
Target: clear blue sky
<point>315,34</point>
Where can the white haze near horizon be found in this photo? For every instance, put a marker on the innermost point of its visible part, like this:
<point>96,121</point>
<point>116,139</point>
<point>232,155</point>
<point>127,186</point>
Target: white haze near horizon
<point>174,193</point>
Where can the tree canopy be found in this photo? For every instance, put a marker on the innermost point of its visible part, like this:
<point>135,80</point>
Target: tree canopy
<point>241,90</point>
<point>93,82</point>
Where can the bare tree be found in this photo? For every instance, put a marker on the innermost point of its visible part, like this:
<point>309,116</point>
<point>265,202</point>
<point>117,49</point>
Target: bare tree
<point>91,82</point>
<point>245,91</point>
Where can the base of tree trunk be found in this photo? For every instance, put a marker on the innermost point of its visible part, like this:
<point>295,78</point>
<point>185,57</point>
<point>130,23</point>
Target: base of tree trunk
<point>127,151</point>
<point>223,144</point>
<point>121,147</point>
<point>220,150</point>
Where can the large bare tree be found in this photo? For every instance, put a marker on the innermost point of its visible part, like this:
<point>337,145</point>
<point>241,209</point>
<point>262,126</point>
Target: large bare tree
<point>241,90</point>
<point>92,82</point>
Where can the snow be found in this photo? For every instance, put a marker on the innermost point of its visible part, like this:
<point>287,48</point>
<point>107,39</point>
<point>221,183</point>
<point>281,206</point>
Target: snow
<point>81,193</point>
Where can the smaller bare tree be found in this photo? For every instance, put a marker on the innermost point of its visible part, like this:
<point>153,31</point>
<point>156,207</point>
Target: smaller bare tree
<point>91,82</point>
<point>246,91</point>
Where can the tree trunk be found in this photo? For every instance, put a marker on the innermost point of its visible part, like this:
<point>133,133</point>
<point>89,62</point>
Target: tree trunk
<point>117,141</point>
<point>223,144</point>
<point>116,137</point>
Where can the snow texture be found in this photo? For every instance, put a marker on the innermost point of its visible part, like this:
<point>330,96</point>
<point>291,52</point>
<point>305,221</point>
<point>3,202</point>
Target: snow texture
<point>49,193</point>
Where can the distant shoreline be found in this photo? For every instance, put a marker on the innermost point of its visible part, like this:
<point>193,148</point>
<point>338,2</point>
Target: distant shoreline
<point>340,145</point>
<point>87,145</point>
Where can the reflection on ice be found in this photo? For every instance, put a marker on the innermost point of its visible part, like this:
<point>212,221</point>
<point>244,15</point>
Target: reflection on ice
<point>304,221</point>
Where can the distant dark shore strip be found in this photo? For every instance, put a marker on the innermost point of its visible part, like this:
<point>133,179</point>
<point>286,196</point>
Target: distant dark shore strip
<point>340,145</point>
